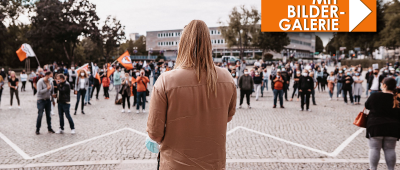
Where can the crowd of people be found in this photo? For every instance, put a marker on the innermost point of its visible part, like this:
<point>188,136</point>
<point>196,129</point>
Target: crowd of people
<point>54,84</point>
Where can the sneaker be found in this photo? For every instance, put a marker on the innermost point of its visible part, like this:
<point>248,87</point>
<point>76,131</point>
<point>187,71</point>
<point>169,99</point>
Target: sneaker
<point>137,111</point>
<point>340,95</point>
<point>51,131</point>
<point>240,107</point>
<point>330,98</point>
<point>10,107</point>
<point>19,107</point>
<point>301,110</point>
<point>129,111</point>
<point>52,113</point>
<point>123,110</point>
<point>282,107</point>
<point>309,110</point>
<point>143,111</point>
<point>89,103</point>
<point>73,131</point>
<point>60,131</point>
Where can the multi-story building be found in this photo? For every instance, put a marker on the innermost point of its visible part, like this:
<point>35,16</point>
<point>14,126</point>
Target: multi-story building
<point>134,36</point>
<point>301,44</point>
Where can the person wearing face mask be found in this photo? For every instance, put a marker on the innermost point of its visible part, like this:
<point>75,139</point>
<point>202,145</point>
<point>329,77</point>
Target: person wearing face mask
<point>375,82</point>
<point>117,81</point>
<point>257,79</point>
<point>319,76</point>
<point>24,78</point>
<point>88,95</point>
<point>339,78</point>
<point>246,85</point>
<point>348,87</point>
<point>234,76</point>
<point>357,91</point>
<point>141,85</point>
<point>126,92</point>
<point>106,84</point>
<point>296,85</point>
<point>45,89</point>
<point>278,84</point>
<point>265,76</point>
<point>81,86</point>
<point>306,84</point>
<point>367,76</point>
<point>331,80</point>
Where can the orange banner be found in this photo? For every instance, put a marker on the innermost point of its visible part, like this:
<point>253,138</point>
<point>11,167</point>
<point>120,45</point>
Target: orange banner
<point>125,60</point>
<point>318,16</point>
<point>21,54</point>
<point>110,70</point>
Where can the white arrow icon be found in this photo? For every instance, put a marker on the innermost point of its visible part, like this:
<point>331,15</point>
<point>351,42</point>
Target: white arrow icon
<point>358,11</point>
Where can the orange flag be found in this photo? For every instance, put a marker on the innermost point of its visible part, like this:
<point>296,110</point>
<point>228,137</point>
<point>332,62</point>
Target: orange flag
<point>21,54</point>
<point>125,60</point>
<point>110,70</point>
<point>97,77</point>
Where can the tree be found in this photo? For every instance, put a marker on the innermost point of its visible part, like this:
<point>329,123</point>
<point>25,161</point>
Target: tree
<point>271,41</point>
<point>112,33</point>
<point>240,28</point>
<point>63,23</point>
<point>319,46</point>
<point>390,35</point>
<point>140,44</point>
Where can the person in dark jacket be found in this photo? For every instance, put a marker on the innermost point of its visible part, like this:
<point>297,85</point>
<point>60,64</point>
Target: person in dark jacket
<point>347,87</point>
<point>246,85</point>
<point>367,76</point>
<point>383,124</point>
<point>96,85</point>
<point>296,85</point>
<point>63,100</point>
<point>89,90</point>
<point>286,76</point>
<point>306,84</point>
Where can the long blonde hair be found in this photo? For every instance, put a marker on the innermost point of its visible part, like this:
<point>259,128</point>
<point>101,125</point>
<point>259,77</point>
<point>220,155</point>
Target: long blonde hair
<point>195,51</point>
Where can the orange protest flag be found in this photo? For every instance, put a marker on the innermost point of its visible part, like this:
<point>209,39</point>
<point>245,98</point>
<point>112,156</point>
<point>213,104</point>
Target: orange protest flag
<point>110,70</point>
<point>125,60</point>
<point>21,54</point>
<point>97,77</point>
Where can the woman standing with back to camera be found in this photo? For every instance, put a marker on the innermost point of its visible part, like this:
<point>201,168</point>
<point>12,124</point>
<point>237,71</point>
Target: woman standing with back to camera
<point>383,124</point>
<point>195,101</point>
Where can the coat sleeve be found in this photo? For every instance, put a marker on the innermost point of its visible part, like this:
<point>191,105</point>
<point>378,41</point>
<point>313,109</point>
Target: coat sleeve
<point>158,111</point>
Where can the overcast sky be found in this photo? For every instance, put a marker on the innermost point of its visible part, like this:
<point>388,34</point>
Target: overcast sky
<point>151,15</point>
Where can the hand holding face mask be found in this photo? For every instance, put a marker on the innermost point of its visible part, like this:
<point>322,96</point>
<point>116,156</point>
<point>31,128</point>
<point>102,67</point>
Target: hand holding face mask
<point>151,145</point>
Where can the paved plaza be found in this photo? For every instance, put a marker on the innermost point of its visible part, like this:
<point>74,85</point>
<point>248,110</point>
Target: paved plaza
<point>257,138</point>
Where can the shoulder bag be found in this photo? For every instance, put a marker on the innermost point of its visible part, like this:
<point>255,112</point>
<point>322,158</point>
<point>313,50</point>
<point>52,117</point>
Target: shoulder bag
<point>147,91</point>
<point>361,119</point>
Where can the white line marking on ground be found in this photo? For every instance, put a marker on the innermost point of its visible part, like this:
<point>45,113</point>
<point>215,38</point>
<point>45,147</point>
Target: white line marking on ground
<point>14,146</point>
<point>154,161</point>
<point>333,154</point>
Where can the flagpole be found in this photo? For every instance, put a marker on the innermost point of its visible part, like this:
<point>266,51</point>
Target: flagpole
<point>37,60</point>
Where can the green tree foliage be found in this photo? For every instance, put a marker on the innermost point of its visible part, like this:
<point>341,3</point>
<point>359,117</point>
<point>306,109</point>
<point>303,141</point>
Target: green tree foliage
<point>270,41</point>
<point>242,24</point>
<point>140,44</point>
<point>111,35</point>
<point>390,35</point>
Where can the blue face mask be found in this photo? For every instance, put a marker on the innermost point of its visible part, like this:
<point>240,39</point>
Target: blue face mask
<point>348,74</point>
<point>357,74</point>
<point>152,146</point>
<point>340,71</point>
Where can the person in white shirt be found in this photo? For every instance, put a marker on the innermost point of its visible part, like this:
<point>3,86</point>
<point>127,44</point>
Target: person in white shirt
<point>24,78</point>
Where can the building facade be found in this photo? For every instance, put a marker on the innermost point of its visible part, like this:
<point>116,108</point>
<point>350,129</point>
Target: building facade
<point>134,36</point>
<point>302,45</point>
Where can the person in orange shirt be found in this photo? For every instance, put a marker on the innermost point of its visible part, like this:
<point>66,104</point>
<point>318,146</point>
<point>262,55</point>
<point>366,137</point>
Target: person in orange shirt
<point>141,84</point>
<point>106,85</point>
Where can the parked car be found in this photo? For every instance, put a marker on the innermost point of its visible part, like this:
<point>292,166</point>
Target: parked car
<point>230,59</point>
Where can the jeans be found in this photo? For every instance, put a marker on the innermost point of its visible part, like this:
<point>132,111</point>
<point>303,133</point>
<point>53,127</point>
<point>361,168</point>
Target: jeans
<point>12,91</point>
<point>295,88</point>
<point>106,91</point>
<point>350,94</point>
<point>265,85</point>
<point>64,108</point>
<point>246,93</point>
<point>117,89</point>
<point>141,99</point>
<point>388,144</point>
<point>339,89</point>
<point>257,88</point>
<point>81,94</point>
<point>313,96</point>
<point>87,95</point>
<point>305,95</point>
<point>43,105</point>
<point>97,87</point>
<point>280,93</point>
<point>127,98</point>
<point>373,91</point>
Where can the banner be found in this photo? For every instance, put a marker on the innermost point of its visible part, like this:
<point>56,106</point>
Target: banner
<point>110,70</point>
<point>95,73</point>
<point>125,60</point>
<point>84,67</point>
<point>318,16</point>
<point>24,52</point>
